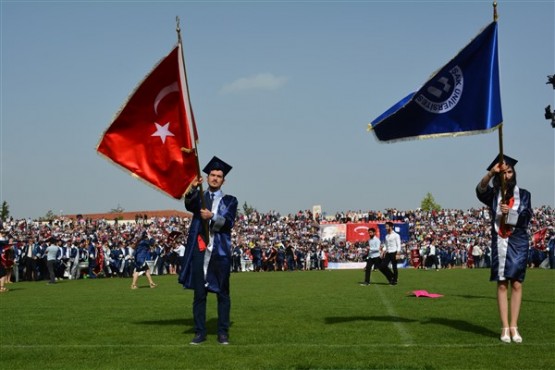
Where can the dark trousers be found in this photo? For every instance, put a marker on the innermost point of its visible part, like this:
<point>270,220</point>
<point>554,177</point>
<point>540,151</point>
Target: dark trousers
<point>291,263</point>
<point>30,269</point>
<point>257,263</point>
<point>200,295</point>
<point>371,262</point>
<point>51,264</point>
<point>432,261</point>
<point>41,268</point>
<point>92,266</point>
<point>236,263</point>
<point>390,258</point>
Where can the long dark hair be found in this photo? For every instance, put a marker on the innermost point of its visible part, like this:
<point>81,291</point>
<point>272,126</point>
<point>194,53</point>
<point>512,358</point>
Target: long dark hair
<point>509,184</point>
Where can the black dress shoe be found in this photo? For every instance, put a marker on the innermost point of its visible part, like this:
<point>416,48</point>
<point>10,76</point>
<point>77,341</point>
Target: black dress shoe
<point>223,339</point>
<point>198,339</point>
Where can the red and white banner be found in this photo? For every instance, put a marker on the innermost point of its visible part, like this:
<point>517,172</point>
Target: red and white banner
<point>351,232</point>
<point>359,232</point>
<point>539,239</point>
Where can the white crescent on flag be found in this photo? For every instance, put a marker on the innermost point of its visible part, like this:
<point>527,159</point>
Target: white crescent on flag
<point>163,93</point>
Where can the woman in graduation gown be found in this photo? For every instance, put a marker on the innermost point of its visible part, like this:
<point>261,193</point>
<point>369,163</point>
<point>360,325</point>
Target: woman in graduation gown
<point>511,214</point>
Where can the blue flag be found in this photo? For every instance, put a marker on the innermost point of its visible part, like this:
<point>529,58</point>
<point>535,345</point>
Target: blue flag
<point>462,98</point>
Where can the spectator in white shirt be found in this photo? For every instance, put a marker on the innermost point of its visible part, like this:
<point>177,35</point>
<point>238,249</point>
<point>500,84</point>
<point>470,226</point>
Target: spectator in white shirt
<point>391,248</point>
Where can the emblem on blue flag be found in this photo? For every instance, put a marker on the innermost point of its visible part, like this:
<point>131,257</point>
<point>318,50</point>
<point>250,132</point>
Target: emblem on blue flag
<point>461,98</point>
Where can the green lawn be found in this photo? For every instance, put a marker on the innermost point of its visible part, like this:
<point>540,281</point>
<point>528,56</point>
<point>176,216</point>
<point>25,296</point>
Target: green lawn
<point>299,320</point>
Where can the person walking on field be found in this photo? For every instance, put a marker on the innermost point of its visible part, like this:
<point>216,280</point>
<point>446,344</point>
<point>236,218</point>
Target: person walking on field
<point>391,248</point>
<point>373,257</point>
<point>142,255</point>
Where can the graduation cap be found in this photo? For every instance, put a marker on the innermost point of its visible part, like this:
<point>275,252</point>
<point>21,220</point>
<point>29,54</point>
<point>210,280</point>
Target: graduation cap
<point>218,165</point>
<point>508,161</point>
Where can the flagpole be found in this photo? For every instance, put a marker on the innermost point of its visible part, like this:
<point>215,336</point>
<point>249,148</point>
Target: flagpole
<point>179,40</point>
<point>500,131</point>
<point>201,190</point>
<point>502,178</point>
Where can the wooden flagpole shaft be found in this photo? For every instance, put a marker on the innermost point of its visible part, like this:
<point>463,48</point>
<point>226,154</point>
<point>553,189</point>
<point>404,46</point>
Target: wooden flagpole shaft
<point>500,131</point>
<point>199,174</point>
<point>501,175</point>
<point>502,178</point>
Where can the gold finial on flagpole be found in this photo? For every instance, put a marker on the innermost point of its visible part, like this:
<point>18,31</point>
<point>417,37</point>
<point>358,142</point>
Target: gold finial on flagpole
<point>495,11</point>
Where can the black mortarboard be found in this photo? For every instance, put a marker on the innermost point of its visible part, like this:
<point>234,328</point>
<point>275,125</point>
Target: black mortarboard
<point>508,161</point>
<point>217,164</point>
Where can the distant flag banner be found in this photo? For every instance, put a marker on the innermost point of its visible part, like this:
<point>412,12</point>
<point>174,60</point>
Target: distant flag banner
<point>99,261</point>
<point>539,239</point>
<point>462,98</point>
<point>154,134</point>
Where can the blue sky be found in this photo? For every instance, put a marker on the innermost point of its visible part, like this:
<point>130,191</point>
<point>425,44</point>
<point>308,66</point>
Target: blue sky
<point>281,90</point>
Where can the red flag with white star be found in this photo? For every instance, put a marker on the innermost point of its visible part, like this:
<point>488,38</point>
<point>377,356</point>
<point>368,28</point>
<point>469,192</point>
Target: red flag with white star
<point>154,134</point>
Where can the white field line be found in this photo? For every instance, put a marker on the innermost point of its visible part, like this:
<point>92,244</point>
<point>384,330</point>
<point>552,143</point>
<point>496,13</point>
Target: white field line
<point>494,343</point>
<point>406,338</point>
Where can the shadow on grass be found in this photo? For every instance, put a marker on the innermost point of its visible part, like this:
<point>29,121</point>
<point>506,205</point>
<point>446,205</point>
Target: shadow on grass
<point>468,296</point>
<point>459,325</point>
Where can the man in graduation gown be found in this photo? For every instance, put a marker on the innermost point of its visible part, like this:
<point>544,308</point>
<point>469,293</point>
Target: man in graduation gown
<point>207,260</point>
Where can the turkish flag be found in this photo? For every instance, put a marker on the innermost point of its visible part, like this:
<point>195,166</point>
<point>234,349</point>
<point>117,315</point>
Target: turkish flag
<point>153,135</point>
<point>358,232</point>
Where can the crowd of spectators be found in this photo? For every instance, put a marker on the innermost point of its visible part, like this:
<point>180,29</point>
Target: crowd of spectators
<point>262,242</point>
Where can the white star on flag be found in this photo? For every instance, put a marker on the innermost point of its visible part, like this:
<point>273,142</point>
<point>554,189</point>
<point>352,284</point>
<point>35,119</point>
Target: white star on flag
<point>162,131</point>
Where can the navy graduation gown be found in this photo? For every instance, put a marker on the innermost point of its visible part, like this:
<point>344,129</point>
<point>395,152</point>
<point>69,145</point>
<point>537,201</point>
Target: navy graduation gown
<point>217,275</point>
<point>509,255</point>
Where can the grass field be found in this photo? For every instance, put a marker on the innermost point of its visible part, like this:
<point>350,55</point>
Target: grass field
<point>300,320</point>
